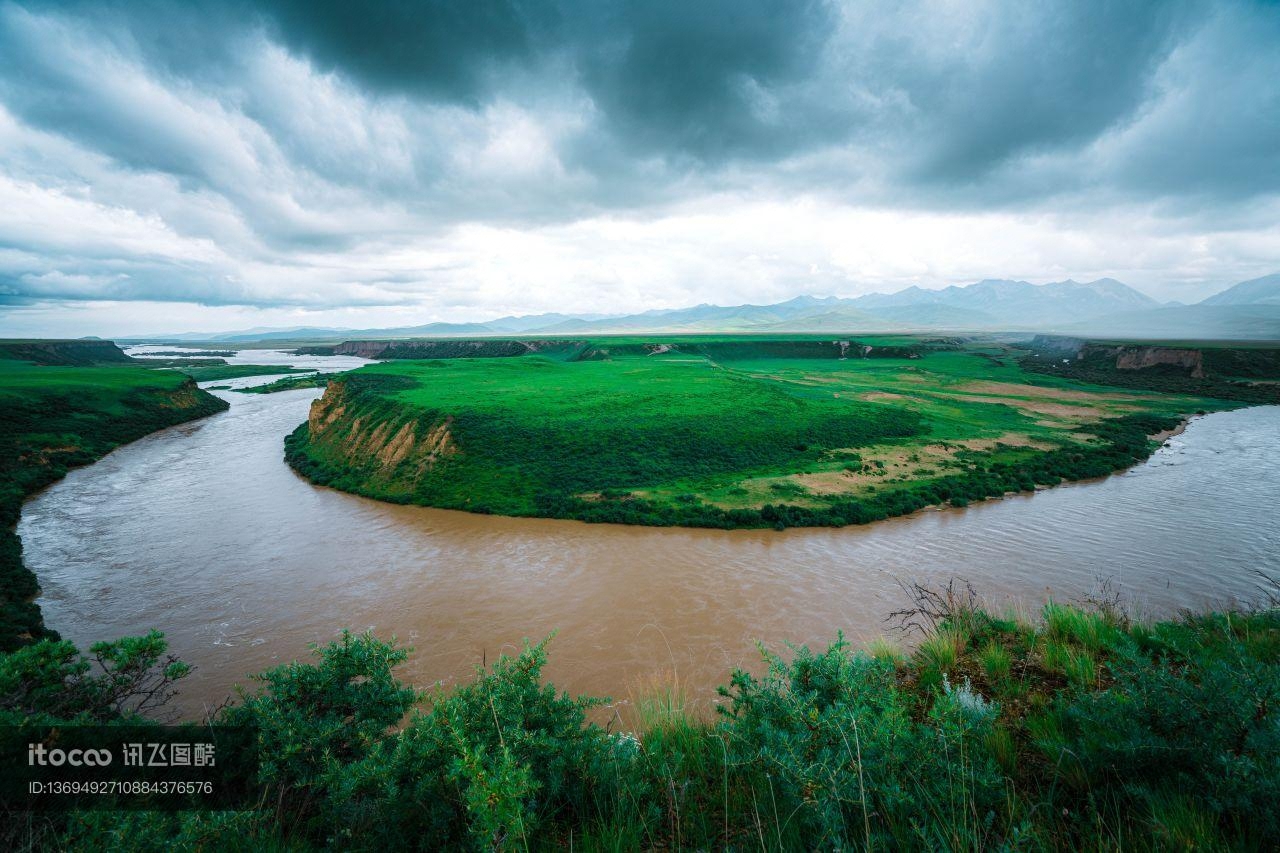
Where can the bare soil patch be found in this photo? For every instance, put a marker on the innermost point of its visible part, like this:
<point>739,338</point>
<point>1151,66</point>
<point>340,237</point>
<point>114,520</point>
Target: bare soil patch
<point>1013,389</point>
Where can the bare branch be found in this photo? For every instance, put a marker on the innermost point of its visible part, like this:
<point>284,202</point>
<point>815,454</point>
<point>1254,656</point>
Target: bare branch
<point>956,601</point>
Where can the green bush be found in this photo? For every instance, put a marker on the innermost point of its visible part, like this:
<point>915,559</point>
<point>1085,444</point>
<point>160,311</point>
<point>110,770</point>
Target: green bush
<point>313,718</point>
<point>493,763</point>
<point>832,756</point>
<point>1198,719</point>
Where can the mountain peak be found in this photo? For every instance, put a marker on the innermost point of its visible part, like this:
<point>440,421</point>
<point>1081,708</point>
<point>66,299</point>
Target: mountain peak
<point>805,300</point>
<point>1255,291</point>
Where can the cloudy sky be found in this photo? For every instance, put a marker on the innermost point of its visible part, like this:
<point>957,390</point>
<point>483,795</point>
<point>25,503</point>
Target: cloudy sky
<point>165,169</point>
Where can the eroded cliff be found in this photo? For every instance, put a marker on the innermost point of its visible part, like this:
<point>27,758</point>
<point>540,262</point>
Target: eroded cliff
<point>394,448</point>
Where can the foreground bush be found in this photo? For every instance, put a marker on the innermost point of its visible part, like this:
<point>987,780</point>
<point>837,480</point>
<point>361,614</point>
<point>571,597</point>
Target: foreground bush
<point>1080,730</point>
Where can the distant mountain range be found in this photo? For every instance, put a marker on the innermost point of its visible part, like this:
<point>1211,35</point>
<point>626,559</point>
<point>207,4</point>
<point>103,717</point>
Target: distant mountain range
<point>1258,291</point>
<point>1248,310</point>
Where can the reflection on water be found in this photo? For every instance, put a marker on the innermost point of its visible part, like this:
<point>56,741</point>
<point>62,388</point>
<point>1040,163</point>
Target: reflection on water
<point>204,532</point>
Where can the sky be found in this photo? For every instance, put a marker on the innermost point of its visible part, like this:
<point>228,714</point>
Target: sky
<point>169,167</point>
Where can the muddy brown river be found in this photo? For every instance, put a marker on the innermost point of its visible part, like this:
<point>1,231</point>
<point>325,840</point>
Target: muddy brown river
<point>203,532</point>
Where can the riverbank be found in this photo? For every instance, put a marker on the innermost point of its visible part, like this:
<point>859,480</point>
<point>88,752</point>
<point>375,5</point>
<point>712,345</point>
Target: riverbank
<point>58,417</point>
<point>1164,435</point>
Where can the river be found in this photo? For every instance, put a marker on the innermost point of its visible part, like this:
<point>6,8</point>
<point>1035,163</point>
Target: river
<point>202,531</point>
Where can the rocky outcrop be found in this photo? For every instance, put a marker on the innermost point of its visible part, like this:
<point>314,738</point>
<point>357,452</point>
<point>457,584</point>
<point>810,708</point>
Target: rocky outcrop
<point>360,349</point>
<point>1189,361</point>
<point>396,447</point>
<point>327,409</point>
<point>1248,375</point>
<point>189,397</point>
<point>1140,358</point>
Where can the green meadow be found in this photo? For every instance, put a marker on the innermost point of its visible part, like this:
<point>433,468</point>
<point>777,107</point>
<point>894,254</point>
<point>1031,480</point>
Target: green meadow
<point>723,432</point>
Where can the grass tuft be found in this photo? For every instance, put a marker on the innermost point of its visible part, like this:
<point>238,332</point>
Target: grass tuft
<point>996,661</point>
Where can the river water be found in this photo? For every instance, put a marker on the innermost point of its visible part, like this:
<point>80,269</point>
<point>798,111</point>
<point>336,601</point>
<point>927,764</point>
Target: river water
<point>203,532</point>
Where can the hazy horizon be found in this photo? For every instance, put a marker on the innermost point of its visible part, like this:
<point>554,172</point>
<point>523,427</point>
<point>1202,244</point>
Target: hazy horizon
<point>568,312</point>
<point>165,169</point>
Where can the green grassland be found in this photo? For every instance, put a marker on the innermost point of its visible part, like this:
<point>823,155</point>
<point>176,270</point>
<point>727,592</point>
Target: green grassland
<point>53,418</point>
<point>724,432</point>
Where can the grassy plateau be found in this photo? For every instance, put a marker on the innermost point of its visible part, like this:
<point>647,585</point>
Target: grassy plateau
<point>727,432</point>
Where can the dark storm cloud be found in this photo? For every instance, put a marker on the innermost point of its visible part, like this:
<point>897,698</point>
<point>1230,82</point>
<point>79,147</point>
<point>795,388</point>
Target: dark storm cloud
<point>693,77</point>
<point>932,96</point>
<point>1038,78</point>
<point>674,76</point>
<point>438,49</point>
<point>666,74</point>
<point>276,141</point>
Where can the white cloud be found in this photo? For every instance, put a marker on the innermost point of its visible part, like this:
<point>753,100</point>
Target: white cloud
<point>933,148</point>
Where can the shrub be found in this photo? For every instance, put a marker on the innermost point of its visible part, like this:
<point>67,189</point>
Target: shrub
<point>492,764</point>
<point>51,682</point>
<point>1168,736</point>
<point>829,752</point>
<point>1200,718</point>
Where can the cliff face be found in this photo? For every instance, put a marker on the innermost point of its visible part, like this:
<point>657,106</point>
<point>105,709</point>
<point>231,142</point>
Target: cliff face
<point>1140,358</point>
<point>1190,361</point>
<point>1247,374</point>
<point>360,349</point>
<point>394,448</point>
